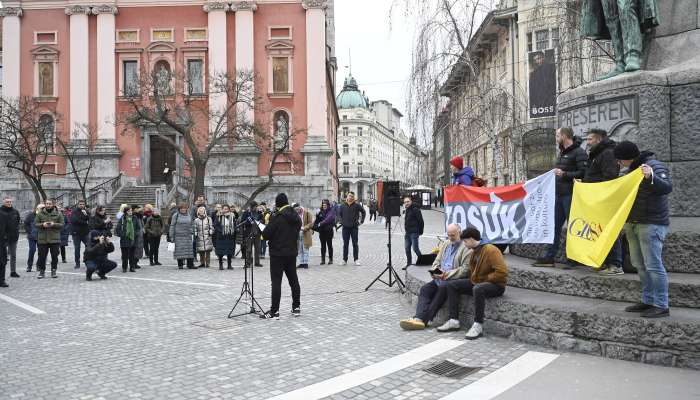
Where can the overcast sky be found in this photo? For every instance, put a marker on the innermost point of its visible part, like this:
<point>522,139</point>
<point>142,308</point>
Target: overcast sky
<point>380,46</point>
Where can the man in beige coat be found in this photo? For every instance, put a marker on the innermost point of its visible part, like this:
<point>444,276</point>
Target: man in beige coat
<point>452,262</point>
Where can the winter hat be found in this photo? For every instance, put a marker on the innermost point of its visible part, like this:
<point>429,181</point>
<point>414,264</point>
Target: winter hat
<point>281,200</point>
<point>457,162</point>
<point>626,151</point>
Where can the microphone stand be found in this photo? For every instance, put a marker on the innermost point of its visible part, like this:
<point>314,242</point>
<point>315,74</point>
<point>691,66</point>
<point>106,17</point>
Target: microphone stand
<point>248,289</point>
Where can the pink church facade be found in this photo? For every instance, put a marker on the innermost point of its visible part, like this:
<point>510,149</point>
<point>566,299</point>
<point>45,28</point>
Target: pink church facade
<point>81,58</point>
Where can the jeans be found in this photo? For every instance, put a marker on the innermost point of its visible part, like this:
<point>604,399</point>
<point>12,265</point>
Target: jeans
<point>303,253</point>
<point>32,251</point>
<point>102,267</point>
<point>349,233</point>
<point>278,267</point>
<point>645,244</point>
<point>615,255</point>
<point>43,253</point>
<point>263,247</point>
<point>430,298</point>
<point>562,206</point>
<point>326,238</point>
<point>411,240</point>
<point>77,239</point>
<point>480,292</point>
<point>12,254</point>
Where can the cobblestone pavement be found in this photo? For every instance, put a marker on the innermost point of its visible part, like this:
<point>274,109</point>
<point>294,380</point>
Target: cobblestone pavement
<point>162,333</point>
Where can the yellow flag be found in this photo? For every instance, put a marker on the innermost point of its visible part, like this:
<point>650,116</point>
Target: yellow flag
<point>598,213</point>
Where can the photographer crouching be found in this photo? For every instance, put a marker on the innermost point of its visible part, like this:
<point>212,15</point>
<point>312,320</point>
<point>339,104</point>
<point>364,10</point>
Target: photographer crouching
<point>95,255</point>
<point>282,233</point>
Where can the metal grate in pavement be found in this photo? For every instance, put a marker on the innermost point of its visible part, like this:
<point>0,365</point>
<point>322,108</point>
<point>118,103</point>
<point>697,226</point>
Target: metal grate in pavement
<point>451,370</point>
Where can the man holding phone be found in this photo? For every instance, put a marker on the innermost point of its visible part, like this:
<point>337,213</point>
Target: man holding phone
<point>452,262</point>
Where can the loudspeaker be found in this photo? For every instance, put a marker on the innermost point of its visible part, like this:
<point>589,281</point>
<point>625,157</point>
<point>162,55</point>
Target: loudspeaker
<point>391,199</point>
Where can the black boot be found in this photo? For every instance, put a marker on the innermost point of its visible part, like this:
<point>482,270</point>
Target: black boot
<point>323,259</point>
<point>228,259</point>
<point>88,274</point>
<point>221,263</point>
<point>41,275</point>
<point>330,260</point>
<point>53,273</point>
<point>150,260</point>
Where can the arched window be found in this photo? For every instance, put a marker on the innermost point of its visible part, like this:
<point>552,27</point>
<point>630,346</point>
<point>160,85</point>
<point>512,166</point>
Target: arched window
<point>47,132</point>
<point>163,78</point>
<point>282,137</point>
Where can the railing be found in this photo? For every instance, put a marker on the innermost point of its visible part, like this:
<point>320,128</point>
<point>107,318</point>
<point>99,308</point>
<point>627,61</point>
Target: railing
<point>105,189</point>
<point>113,183</point>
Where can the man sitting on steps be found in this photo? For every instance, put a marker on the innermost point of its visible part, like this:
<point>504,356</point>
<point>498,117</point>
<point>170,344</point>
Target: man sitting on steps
<point>487,278</point>
<point>452,262</point>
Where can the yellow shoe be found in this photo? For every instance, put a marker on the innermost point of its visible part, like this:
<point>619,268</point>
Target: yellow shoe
<point>412,324</point>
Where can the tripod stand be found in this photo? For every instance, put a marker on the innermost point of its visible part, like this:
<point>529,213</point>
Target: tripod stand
<point>389,268</point>
<point>248,288</point>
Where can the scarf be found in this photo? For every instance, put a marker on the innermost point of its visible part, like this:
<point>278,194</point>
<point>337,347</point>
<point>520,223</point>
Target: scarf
<point>227,227</point>
<point>129,227</point>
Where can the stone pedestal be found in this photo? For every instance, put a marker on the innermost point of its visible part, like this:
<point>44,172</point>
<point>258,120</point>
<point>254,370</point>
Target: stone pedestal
<point>656,108</point>
<point>106,154</point>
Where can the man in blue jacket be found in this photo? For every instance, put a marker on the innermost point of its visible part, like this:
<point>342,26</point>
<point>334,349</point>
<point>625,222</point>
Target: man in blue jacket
<point>646,228</point>
<point>461,175</point>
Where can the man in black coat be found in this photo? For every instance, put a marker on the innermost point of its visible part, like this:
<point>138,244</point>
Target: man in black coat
<point>570,165</point>
<point>647,227</point>
<point>413,228</point>
<point>96,255</point>
<point>602,167</point>
<point>3,248</point>
<point>13,223</point>
<point>351,216</point>
<point>248,218</point>
<point>282,233</point>
<point>80,224</point>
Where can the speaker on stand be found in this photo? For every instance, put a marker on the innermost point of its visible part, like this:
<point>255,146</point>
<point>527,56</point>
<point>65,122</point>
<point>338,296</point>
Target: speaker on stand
<point>391,207</point>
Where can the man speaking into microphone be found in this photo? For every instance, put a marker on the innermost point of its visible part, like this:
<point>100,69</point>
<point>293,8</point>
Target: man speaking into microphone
<point>282,233</point>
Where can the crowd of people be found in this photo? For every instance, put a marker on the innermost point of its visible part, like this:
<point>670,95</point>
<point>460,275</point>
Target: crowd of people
<point>192,232</point>
<point>467,265</point>
<point>463,265</point>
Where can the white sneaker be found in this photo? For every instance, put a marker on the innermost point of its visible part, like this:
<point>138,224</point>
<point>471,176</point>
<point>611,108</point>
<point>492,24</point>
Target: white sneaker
<point>357,262</point>
<point>476,331</point>
<point>450,325</point>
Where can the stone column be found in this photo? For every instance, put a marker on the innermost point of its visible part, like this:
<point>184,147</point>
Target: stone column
<point>216,28</point>
<point>79,69</point>
<point>316,88</point>
<point>106,74</point>
<point>245,54</point>
<point>11,51</point>
<point>317,152</point>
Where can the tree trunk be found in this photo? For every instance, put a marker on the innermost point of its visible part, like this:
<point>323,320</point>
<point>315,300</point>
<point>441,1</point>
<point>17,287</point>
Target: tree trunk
<point>199,171</point>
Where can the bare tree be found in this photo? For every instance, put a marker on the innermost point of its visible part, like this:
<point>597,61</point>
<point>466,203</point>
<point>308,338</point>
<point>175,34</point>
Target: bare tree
<point>79,156</point>
<point>169,102</point>
<point>443,31</point>
<point>27,138</point>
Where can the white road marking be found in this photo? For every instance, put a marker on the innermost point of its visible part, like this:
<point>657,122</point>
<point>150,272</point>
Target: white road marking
<point>367,374</point>
<point>155,280</point>
<point>19,304</point>
<point>504,378</point>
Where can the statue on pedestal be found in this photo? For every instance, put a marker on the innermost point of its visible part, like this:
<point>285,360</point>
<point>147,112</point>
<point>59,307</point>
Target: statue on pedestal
<point>623,23</point>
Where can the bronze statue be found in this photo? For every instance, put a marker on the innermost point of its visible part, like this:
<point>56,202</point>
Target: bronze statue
<point>622,22</point>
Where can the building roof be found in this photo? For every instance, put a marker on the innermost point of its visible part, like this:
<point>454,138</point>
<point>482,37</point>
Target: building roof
<point>350,96</point>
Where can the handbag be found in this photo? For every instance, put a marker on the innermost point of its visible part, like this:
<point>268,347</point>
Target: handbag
<point>171,247</point>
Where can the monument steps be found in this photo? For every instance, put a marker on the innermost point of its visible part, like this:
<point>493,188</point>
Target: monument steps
<point>132,195</point>
<point>684,289</point>
<point>580,324</point>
